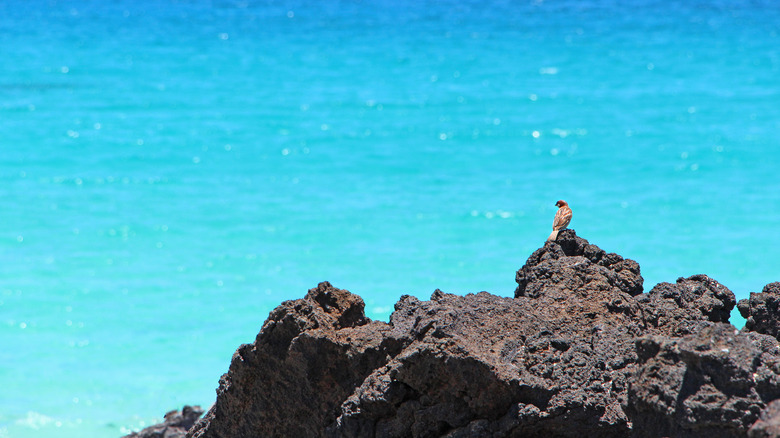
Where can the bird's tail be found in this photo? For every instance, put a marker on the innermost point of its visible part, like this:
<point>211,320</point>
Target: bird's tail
<point>553,236</point>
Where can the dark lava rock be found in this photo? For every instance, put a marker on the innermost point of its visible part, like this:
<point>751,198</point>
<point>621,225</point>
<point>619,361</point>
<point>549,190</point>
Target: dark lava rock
<point>175,425</point>
<point>762,310</point>
<point>579,351</point>
<point>688,305</point>
<point>714,383</point>
<point>768,424</point>
<point>483,365</point>
<point>570,264</point>
<point>307,359</point>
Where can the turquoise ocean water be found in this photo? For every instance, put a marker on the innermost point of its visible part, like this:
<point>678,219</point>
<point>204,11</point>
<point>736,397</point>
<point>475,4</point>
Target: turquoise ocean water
<point>170,171</point>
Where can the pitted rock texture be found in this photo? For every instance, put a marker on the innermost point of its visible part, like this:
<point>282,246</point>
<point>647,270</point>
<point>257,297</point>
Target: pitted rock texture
<point>687,306</point>
<point>489,365</point>
<point>714,383</point>
<point>307,359</point>
<point>762,310</point>
<point>580,351</point>
<point>570,263</point>
<point>768,424</point>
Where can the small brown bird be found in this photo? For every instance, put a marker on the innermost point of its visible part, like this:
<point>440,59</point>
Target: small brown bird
<point>562,219</point>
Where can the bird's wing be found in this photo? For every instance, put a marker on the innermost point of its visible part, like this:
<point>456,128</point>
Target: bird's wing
<point>562,218</point>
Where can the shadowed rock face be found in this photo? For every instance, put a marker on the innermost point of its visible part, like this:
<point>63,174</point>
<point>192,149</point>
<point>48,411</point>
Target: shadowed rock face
<point>307,359</point>
<point>580,351</point>
<point>714,383</point>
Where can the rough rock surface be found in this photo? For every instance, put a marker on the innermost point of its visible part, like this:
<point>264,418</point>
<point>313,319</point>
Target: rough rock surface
<point>307,359</point>
<point>762,310</point>
<point>768,424</point>
<point>687,306</point>
<point>571,263</point>
<point>175,425</point>
<point>714,383</point>
<point>579,351</point>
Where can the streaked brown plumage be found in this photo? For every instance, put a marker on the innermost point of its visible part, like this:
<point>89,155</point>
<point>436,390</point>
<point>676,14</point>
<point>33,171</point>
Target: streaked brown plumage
<point>562,219</point>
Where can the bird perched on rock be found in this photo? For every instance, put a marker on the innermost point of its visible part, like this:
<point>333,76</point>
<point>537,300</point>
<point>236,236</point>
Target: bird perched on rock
<point>562,219</point>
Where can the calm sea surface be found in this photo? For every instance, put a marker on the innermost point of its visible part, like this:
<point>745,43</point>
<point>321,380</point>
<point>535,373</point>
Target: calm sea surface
<point>170,171</point>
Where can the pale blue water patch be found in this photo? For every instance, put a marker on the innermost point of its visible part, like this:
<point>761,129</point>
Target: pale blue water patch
<point>170,172</point>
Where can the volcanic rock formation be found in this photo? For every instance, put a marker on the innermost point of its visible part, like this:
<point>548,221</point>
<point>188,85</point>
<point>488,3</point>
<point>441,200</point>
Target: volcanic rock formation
<point>579,351</point>
<point>762,310</point>
<point>175,425</point>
